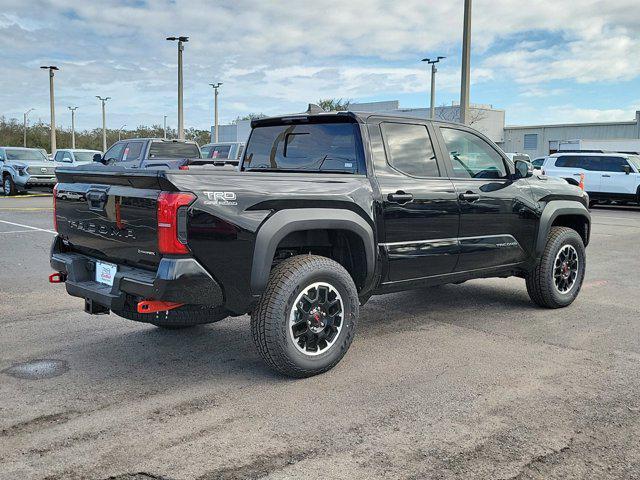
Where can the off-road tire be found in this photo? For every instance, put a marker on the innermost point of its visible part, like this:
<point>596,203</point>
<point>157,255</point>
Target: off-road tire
<point>540,280</point>
<point>178,318</point>
<point>12,190</point>
<point>270,318</point>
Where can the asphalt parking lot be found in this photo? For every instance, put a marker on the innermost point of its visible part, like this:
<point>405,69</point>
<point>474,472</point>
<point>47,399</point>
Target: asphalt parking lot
<point>466,381</point>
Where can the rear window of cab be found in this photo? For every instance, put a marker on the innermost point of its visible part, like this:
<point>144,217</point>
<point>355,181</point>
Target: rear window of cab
<point>319,147</point>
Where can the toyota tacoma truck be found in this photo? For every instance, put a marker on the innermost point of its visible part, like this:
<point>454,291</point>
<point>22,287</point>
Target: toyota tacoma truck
<point>25,168</point>
<point>325,211</point>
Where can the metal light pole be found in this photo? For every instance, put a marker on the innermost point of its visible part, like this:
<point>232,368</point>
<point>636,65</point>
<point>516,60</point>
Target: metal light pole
<point>104,123</point>
<point>73,126</point>
<point>52,69</point>
<point>120,131</point>
<point>215,108</point>
<point>24,142</point>
<point>165,126</point>
<point>466,64</point>
<point>434,69</point>
<point>181,41</point>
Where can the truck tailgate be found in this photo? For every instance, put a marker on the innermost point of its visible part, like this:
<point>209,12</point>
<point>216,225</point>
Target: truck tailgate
<point>110,214</point>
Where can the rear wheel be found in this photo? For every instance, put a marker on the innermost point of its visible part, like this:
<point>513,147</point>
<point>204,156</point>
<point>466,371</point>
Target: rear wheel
<point>8,186</point>
<point>305,320</point>
<point>178,318</point>
<point>557,278</point>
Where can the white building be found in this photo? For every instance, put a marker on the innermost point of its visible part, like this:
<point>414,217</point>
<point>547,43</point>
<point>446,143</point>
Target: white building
<point>540,140</point>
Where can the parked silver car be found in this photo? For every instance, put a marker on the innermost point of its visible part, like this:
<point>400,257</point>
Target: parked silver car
<point>25,168</point>
<point>70,157</point>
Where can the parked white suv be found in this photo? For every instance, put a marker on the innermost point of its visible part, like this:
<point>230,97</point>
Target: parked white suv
<point>607,176</point>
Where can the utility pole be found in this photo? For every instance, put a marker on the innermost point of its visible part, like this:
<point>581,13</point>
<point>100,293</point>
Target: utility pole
<point>434,69</point>
<point>104,122</point>
<point>120,131</point>
<point>24,142</point>
<point>73,126</point>
<point>215,108</point>
<point>52,69</point>
<point>466,64</point>
<point>181,42</point>
<point>165,127</point>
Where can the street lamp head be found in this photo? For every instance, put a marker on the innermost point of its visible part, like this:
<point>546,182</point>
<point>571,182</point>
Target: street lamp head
<point>426,60</point>
<point>50,67</point>
<point>181,39</point>
<point>216,85</point>
<point>441,58</point>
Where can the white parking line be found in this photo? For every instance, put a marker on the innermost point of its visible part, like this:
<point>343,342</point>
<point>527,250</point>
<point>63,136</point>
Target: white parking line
<point>29,227</point>
<point>18,231</point>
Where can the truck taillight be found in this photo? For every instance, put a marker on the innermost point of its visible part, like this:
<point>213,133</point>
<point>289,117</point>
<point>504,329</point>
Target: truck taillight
<point>55,207</point>
<point>172,222</point>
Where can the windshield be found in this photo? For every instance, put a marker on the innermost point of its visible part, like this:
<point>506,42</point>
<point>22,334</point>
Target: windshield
<point>325,147</point>
<point>26,155</point>
<point>173,150</point>
<point>635,161</point>
<point>84,157</point>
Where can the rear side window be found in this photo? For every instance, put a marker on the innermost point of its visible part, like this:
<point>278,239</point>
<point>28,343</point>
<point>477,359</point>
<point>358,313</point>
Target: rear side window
<point>568,162</point>
<point>132,151</point>
<point>324,147</point>
<point>173,150</point>
<point>409,149</point>
<point>584,162</point>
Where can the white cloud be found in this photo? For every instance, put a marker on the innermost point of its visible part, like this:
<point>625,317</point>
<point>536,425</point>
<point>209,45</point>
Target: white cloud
<point>275,56</point>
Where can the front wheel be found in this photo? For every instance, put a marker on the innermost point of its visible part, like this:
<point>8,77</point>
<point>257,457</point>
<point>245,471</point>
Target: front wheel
<point>305,320</point>
<point>557,278</point>
<point>9,186</point>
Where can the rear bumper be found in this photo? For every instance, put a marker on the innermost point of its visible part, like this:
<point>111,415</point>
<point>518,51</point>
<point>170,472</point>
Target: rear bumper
<point>181,280</point>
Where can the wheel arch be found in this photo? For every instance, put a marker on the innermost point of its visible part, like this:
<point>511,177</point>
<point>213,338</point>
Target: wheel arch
<point>286,222</point>
<point>564,213</point>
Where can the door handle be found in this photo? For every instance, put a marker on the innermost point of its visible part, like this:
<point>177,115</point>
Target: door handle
<point>469,197</point>
<point>607,176</point>
<point>577,174</point>
<point>400,197</point>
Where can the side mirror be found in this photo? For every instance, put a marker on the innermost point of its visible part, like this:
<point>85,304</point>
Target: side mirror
<point>627,169</point>
<point>98,158</point>
<point>524,169</point>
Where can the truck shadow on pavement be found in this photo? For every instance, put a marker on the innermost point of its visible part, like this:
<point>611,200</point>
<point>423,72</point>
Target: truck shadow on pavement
<point>224,350</point>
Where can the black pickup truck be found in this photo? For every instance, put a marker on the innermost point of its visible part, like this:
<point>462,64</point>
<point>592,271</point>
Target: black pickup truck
<point>325,211</point>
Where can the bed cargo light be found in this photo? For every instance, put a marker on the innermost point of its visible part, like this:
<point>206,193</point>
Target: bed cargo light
<point>172,222</point>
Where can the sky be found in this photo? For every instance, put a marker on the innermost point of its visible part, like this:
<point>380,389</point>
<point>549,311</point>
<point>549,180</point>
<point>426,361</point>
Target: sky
<point>545,61</point>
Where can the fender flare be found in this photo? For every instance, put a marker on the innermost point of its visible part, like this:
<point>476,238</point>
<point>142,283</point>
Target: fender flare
<point>284,222</point>
<point>553,210</point>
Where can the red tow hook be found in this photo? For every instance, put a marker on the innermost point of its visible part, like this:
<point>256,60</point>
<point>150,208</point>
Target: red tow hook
<point>153,306</point>
<point>58,277</point>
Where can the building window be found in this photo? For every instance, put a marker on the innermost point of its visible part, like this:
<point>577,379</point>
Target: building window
<point>530,141</point>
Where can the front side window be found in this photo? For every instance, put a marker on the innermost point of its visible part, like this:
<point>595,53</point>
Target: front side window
<point>115,152</point>
<point>613,164</point>
<point>409,149</point>
<point>471,156</point>
<point>324,147</point>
